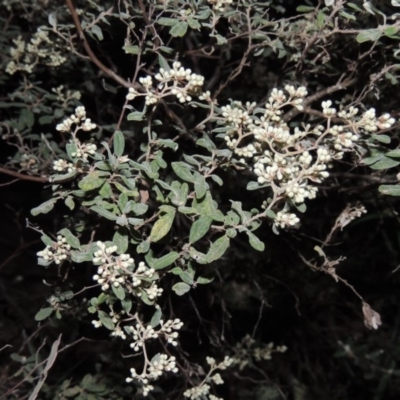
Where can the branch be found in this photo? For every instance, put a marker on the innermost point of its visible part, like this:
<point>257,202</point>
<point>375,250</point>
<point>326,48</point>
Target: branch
<point>89,51</point>
<point>23,176</point>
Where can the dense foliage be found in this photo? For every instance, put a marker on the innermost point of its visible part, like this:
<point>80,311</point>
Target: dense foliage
<point>200,199</point>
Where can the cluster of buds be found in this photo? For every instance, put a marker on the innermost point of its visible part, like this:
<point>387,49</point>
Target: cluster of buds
<point>203,389</point>
<point>79,119</point>
<point>293,161</point>
<point>246,350</point>
<point>119,270</point>
<point>40,50</point>
<point>220,5</point>
<point>153,369</point>
<point>58,252</point>
<point>29,162</point>
<point>177,81</point>
<point>62,165</point>
<point>142,333</point>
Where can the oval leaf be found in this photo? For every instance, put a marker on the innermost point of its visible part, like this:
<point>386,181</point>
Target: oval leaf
<point>200,228</point>
<point>165,261</point>
<point>391,190</point>
<point>181,288</point>
<point>162,227</point>
<point>218,249</point>
<point>119,143</point>
<point>255,242</point>
<point>179,29</point>
<point>43,314</point>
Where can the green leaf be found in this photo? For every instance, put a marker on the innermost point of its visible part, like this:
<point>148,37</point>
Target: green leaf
<point>106,320</point>
<point>255,186</point>
<point>218,249</point>
<point>373,159</point>
<point>200,186</point>
<point>143,247</point>
<point>168,143</point>
<point>391,190</point>
<point>91,181</point>
<point>105,191</point>
<point>131,49</point>
<point>27,117</point>
<point>166,22</point>
<point>206,142</point>
<point>320,19</point>
<point>104,213</point>
<point>44,208</point>
<point>369,35</point>
<point>194,24</point>
<point>162,227</point>
<point>385,163</point>
<point>120,239</point>
<point>347,15</point>
<point>118,291</point>
<point>179,29</point>
<point>96,31</point>
<point>221,40</point>
<point>165,261</point>
<point>182,171</point>
<point>164,64</point>
<point>72,240</point>
<point>123,201</point>
<point>393,153</point>
<point>207,206</point>
<point>200,228</point>
<point>43,313</point>
<point>126,305</point>
<point>69,202</point>
<point>382,138</point>
<point>139,208</point>
<point>135,116</point>
<point>181,288</point>
<point>201,280</point>
<point>186,277</point>
<point>255,242</point>
<point>390,30</point>
<point>217,179</point>
<point>305,9</point>
<point>81,256</point>
<point>118,143</point>
<point>156,318</point>
<point>197,256</point>
<point>47,240</point>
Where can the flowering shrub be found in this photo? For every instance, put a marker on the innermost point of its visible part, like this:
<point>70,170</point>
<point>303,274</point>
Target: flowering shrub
<point>174,141</point>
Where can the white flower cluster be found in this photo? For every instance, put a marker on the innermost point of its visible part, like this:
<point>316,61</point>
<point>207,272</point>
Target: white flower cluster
<point>292,161</point>
<point>82,150</point>
<point>284,219</point>
<point>153,370</point>
<point>220,5</point>
<point>79,118</point>
<point>203,389</point>
<point>58,252</point>
<point>246,350</point>
<point>120,271</point>
<point>168,329</point>
<point>62,165</point>
<point>177,81</point>
<point>41,49</point>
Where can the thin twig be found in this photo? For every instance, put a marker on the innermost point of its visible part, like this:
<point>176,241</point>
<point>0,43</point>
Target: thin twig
<point>23,176</point>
